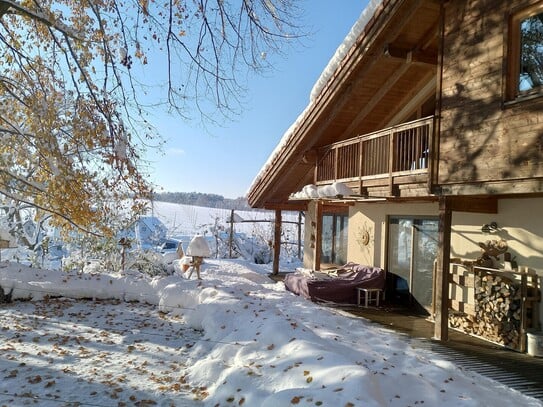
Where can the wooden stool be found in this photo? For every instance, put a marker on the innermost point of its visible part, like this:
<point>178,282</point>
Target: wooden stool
<point>370,295</point>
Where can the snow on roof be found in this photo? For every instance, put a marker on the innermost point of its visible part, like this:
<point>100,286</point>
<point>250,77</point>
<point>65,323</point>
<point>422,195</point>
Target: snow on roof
<point>322,81</point>
<point>312,191</point>
<point>152,222</point>
<point>344,48</point>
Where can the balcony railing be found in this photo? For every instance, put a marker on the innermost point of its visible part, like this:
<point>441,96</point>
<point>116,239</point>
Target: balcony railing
<point>402,149</point>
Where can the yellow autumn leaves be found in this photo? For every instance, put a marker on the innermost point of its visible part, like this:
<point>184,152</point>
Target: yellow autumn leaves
<point>65,146</point>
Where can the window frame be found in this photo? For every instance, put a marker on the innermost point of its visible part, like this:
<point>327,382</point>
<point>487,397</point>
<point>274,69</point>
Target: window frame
<point>338,219</point>
<point>514,53</point>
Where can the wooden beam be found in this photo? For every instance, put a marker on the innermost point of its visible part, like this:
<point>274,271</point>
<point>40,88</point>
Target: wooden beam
<point>310,157</point>
<point>428,57</point>
<point>441,326</point>
<point>412,102</point>
<point>376,98</point>
<point>394,116</point>
<point>474,204</point>
<point>524,186</point>
<point>290,206</point>
<point>277,242</point>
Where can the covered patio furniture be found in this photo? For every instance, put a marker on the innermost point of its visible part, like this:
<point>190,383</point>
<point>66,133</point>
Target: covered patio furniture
<point>339,286</point>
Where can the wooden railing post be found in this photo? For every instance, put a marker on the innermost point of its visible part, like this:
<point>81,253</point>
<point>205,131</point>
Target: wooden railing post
<point>390,162</point>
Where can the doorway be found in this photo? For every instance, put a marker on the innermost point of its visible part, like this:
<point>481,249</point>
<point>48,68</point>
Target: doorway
<point>412,250</point>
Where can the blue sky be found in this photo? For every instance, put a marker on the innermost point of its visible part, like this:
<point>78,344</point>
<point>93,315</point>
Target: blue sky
<point>225,160</point>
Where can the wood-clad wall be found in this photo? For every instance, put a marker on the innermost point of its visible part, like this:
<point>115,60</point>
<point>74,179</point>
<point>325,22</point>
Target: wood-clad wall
<point>485,137</point>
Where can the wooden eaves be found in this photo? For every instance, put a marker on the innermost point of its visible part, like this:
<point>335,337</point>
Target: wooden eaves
<point>357,97</point>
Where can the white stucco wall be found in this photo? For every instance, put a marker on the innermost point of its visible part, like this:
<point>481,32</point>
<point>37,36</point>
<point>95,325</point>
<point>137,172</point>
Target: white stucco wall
<point>520,224</point>
<point>372,217</point>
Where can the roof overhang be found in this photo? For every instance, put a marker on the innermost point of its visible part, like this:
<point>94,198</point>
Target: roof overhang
<point>392,62</point>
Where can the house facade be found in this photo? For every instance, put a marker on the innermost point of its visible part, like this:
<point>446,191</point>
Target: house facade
<point>433,119</point>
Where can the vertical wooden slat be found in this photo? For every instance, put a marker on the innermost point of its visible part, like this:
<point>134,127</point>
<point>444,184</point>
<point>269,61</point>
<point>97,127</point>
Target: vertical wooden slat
<point>390,163</point>
<point>403,151</point>
<point>362,158</point>
<point>417,148</point>
<point>431,156</point>
<point>413,150</point>
<point>398,149</point>
<point>336,156</point>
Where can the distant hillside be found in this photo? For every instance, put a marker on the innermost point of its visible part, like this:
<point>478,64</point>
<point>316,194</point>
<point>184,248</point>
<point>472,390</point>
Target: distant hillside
<point>202,199</point>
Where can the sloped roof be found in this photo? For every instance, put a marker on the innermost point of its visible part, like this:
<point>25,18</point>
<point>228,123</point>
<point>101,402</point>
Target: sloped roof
<point>391,50</point>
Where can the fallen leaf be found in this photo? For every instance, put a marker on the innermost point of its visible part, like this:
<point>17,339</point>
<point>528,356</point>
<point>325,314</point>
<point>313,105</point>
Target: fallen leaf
<point>11,374</point>
<point>34,380</point>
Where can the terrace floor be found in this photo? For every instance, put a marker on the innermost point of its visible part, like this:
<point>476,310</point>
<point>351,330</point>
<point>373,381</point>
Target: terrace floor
<point>519,371</point>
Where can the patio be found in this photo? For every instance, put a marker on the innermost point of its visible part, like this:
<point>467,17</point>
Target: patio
<point>516,370</point>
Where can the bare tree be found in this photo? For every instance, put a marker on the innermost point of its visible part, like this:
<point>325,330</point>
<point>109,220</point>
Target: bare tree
<point>75,88</point>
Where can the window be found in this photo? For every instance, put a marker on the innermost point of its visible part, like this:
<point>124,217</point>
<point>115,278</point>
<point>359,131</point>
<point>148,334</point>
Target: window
<point>334,238</point>
<point>412,249</point>
<point>526,53</point>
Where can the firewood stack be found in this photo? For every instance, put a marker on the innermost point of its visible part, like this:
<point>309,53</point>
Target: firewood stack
<point>498,311</point>
<point>503,306</point>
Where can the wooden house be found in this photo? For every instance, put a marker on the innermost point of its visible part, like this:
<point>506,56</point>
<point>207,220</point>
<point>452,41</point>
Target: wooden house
<point>433,119</point>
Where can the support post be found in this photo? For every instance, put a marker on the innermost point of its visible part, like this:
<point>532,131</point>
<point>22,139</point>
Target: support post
<point>231,237</point>
<point>441,327</point>
<point>317,230</point>
<point>277,241</point>
<point>300,235</point>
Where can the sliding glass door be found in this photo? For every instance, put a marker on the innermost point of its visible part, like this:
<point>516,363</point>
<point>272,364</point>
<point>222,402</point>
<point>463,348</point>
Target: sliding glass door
<point>412,250</point>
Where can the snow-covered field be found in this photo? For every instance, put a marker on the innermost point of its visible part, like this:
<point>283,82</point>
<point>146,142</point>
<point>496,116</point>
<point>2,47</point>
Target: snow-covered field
<point>187,220</point>
<point>235,338</point>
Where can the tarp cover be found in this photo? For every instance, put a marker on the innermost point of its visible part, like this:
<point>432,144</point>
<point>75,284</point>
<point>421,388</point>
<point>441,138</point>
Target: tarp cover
<point>340,289</point>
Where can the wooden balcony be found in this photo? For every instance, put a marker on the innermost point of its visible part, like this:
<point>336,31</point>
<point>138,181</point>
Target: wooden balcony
<point>392,162</point>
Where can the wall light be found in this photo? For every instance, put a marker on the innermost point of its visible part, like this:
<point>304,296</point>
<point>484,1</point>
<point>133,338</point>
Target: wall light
<point>489,227</point>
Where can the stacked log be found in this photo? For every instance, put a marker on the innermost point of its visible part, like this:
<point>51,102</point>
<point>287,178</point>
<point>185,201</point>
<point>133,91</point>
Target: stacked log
<point>497,313</point>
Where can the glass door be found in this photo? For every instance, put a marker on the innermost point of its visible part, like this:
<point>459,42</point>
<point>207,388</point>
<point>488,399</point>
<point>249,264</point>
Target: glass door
<point>412,250</point>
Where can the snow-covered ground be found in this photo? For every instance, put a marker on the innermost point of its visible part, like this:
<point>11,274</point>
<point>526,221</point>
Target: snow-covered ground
<point>235,338</point>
